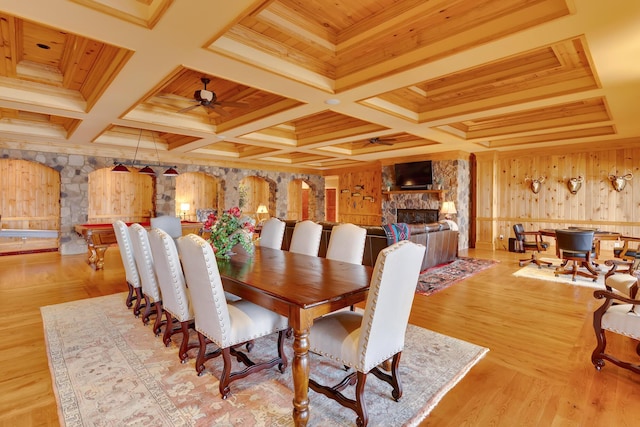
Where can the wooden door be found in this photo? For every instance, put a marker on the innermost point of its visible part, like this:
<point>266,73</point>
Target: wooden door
<point>330,204</point>
<point>305,204</point>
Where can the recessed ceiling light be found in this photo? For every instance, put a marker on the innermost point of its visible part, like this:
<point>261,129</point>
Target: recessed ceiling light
<point>332,101</point>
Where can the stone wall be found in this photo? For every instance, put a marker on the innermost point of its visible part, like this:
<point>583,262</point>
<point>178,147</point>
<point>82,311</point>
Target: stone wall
<point>74,172</point>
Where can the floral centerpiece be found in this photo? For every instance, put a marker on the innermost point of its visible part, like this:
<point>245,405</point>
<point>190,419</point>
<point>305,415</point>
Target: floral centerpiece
<point>229,229</point>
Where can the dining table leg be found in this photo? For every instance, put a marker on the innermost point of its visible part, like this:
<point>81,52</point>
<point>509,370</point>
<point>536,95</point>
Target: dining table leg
<point>300,371</point>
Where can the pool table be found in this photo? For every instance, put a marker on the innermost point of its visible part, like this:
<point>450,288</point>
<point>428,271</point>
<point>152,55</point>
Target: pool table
<point>100,236</point>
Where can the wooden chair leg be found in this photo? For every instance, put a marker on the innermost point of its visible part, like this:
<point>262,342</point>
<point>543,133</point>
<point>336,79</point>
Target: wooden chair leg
<point>138,305</point>
<point>185,346</point>
<point>147,310</point>
<point>157,324</point>
<point>534,259</point>
<point>168,330</point>
<point>130,295</point>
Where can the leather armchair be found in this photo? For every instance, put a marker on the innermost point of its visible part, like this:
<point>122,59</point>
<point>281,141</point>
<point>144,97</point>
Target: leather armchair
<point>630,249</point>
<point>576,247</point>
<point>537,244</point>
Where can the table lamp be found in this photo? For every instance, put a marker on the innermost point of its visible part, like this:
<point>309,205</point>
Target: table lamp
<point>448,209</point>
<point>260,213</point>
<point>184,207</point>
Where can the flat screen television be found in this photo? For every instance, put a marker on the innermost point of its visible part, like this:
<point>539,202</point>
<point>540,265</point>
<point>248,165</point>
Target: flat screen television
<point>414,175</point>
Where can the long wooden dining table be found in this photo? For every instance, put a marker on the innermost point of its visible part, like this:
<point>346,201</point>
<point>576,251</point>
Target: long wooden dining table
<point>300,287</point>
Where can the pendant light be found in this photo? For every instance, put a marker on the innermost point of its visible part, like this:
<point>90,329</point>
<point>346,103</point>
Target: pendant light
<point>169,172</point>
<point>147,170</point>
<point>120,168</point>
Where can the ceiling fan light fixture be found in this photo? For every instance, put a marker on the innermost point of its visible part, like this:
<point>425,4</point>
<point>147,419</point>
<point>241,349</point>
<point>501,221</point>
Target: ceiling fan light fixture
<point>147,170</point>
<point>204,95</point>
<point>171,172</point>
<point>120,168</point>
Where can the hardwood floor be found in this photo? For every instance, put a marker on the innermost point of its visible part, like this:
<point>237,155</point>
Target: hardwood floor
<point>537,372</point>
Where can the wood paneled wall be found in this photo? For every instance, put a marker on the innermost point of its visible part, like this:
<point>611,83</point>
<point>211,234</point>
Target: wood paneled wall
<point>505,198</point>
<point>256,194</point>
<point>125,196</point>
<point>29,195</point>
<point>198,189</point>
<point>294,200</point>
<point>352,204</point>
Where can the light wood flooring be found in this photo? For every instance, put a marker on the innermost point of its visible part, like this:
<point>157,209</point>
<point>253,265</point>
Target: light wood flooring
<point>537,372</point>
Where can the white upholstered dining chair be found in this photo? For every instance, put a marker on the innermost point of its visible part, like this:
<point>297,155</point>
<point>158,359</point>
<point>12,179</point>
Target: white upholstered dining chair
<point>306,238</point>
<point>624,281</point>
<point>168,223</point>
<point>226,324</point>
<point>148,280</point>
<point>272,234</point>
<point>617,315</point>
<point>362,341</point>
<point>347,243</point>
<point>176,302</point>
<point>128,261</point>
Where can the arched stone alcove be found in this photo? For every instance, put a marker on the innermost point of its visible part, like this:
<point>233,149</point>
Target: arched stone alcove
<point>301,200</point>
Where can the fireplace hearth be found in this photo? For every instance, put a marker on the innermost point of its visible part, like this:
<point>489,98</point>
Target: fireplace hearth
<point>417,216</point>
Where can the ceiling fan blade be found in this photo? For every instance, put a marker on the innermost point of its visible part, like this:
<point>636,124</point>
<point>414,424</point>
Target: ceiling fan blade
<point>381,141</point>
<point>184,110</point>
<point>218,110</point>
<point>173,96</point>
<point>232,104</point>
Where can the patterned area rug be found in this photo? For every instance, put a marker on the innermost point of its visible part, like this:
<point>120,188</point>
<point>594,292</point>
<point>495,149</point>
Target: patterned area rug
<point>438,278</point>
<point>547,273</point>
<point>110,370</point>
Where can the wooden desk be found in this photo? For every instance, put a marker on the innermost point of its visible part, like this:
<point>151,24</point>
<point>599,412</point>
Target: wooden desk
<point>302,288</point>
<point>100,236</point>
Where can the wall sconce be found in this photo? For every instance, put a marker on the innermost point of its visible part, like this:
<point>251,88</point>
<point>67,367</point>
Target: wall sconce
<point>448,209</point>
<point>619,182</point>
<point>536,183</point>
<point>574,184</point>
<point>184,207</point>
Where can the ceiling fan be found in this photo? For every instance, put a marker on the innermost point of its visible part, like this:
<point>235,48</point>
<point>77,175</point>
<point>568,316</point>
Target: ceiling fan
<point>380,141</point>
<point>208,99</point>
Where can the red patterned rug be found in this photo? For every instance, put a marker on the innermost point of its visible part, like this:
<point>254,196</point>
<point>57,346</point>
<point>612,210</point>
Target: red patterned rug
<point>441,277</point>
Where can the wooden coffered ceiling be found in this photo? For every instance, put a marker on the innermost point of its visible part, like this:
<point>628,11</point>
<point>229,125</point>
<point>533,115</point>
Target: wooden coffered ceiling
<point>309,85</point>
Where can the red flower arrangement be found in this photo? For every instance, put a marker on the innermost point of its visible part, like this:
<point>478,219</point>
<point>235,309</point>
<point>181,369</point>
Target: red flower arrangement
<point>228,230</point>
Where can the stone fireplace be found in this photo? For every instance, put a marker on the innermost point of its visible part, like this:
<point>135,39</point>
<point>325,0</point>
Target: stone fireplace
<point>417,216</point>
